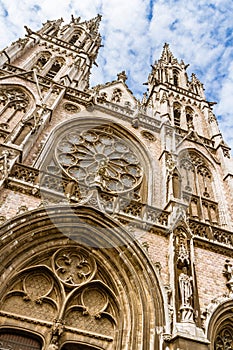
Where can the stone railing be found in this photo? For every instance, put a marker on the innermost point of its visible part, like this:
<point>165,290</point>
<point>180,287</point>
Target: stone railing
<point>36,182</point>
<point>181,133</point>
<point>128,114</point>
<point>183,91</point>
<point>211,233</point>
<point>71,92</point>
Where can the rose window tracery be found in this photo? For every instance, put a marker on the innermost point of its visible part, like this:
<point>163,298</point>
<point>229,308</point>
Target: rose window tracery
<point>98,157</point>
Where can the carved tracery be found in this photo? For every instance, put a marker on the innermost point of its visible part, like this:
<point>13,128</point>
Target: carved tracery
<point>91,309</point>
<point>13,103</point>
<point>116,95</point>
<point>69,293</point>
<point>98,157</point>
<point>224,339</point>
<point>198,181</point>
<point>74,268</point>
<point>32,295</point>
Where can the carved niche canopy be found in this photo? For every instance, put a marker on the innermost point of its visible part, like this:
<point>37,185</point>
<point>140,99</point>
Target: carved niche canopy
<point>99,157</point>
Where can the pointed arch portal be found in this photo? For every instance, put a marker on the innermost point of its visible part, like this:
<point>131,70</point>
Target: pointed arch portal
<point>77,292</point>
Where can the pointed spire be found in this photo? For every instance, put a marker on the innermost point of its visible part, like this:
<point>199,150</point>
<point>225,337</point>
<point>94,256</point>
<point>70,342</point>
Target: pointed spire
<point>167,55</point>
<point>93,24</point>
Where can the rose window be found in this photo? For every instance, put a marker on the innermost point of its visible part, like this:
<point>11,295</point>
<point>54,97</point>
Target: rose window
<point>98,157</point>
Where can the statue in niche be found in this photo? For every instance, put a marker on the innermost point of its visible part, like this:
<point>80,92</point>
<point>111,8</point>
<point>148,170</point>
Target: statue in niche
<point>228,273</point>
<point>186,295</point>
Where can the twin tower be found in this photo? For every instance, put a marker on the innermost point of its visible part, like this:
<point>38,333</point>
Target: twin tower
<point>115,214</point>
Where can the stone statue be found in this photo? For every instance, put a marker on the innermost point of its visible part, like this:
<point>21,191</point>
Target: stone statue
<point>185,285</point>
<point>186,292</point>
<point>228,273</point>
<point>53,345</point>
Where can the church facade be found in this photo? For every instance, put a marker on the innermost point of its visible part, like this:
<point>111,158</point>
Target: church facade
<point>115,214</point>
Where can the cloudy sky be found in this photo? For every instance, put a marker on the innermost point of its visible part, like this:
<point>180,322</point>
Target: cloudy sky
<point>200,32</point>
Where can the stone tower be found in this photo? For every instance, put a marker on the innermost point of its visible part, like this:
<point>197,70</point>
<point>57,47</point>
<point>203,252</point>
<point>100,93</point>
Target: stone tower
<point>116,215</point>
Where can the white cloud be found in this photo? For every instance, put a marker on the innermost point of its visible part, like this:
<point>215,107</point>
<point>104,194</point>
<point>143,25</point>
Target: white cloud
<point>200,33</point>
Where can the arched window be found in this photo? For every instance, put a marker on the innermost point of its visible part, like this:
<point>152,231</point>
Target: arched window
<point>198,181</point>
<point>189,117</point>
<point>78,346</point>
<point>176,113</point>
<point>42,60</point>
<point>11,339</point>
<point>74,37</point>
<point>176,184</point>
<point>56,66</point>
<point>175,78</point>
<point>13,102</point>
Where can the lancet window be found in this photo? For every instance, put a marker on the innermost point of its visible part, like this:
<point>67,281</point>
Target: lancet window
<point>54,69</point>
<point>197,180</point>
<point>176,113</point>
<point>42,60</point>
<point>74,38</point>
<point>175,78</point>
<point>189,117</point>
<point>13,102</point>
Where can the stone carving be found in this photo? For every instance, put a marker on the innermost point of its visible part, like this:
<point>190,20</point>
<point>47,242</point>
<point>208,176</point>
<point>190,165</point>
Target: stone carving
<point>224,339</point>
<point>186,293</point>
<point>53,345</point>
<point>74,267</point>
<point>148,135</point>
<point>4,164</point>
<point>14,99</point>
<point>91,312</point>
<point>57,330</point>
<point>31,296</point>
<point>170,163</point>
<point>116,95</point>
<point>228,273</point>
<point>97,157</point>
<point>182,250</point>
<point>122,76</point>
<point>71,108</point>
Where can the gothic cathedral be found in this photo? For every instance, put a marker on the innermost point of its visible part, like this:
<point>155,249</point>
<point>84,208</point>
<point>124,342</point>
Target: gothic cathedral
<point>116,217</point>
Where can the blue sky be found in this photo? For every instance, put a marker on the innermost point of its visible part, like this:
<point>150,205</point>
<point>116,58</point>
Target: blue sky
<point>199,32</point>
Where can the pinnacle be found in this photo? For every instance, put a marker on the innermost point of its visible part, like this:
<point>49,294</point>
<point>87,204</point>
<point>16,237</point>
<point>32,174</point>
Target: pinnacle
<point>167,55</point>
